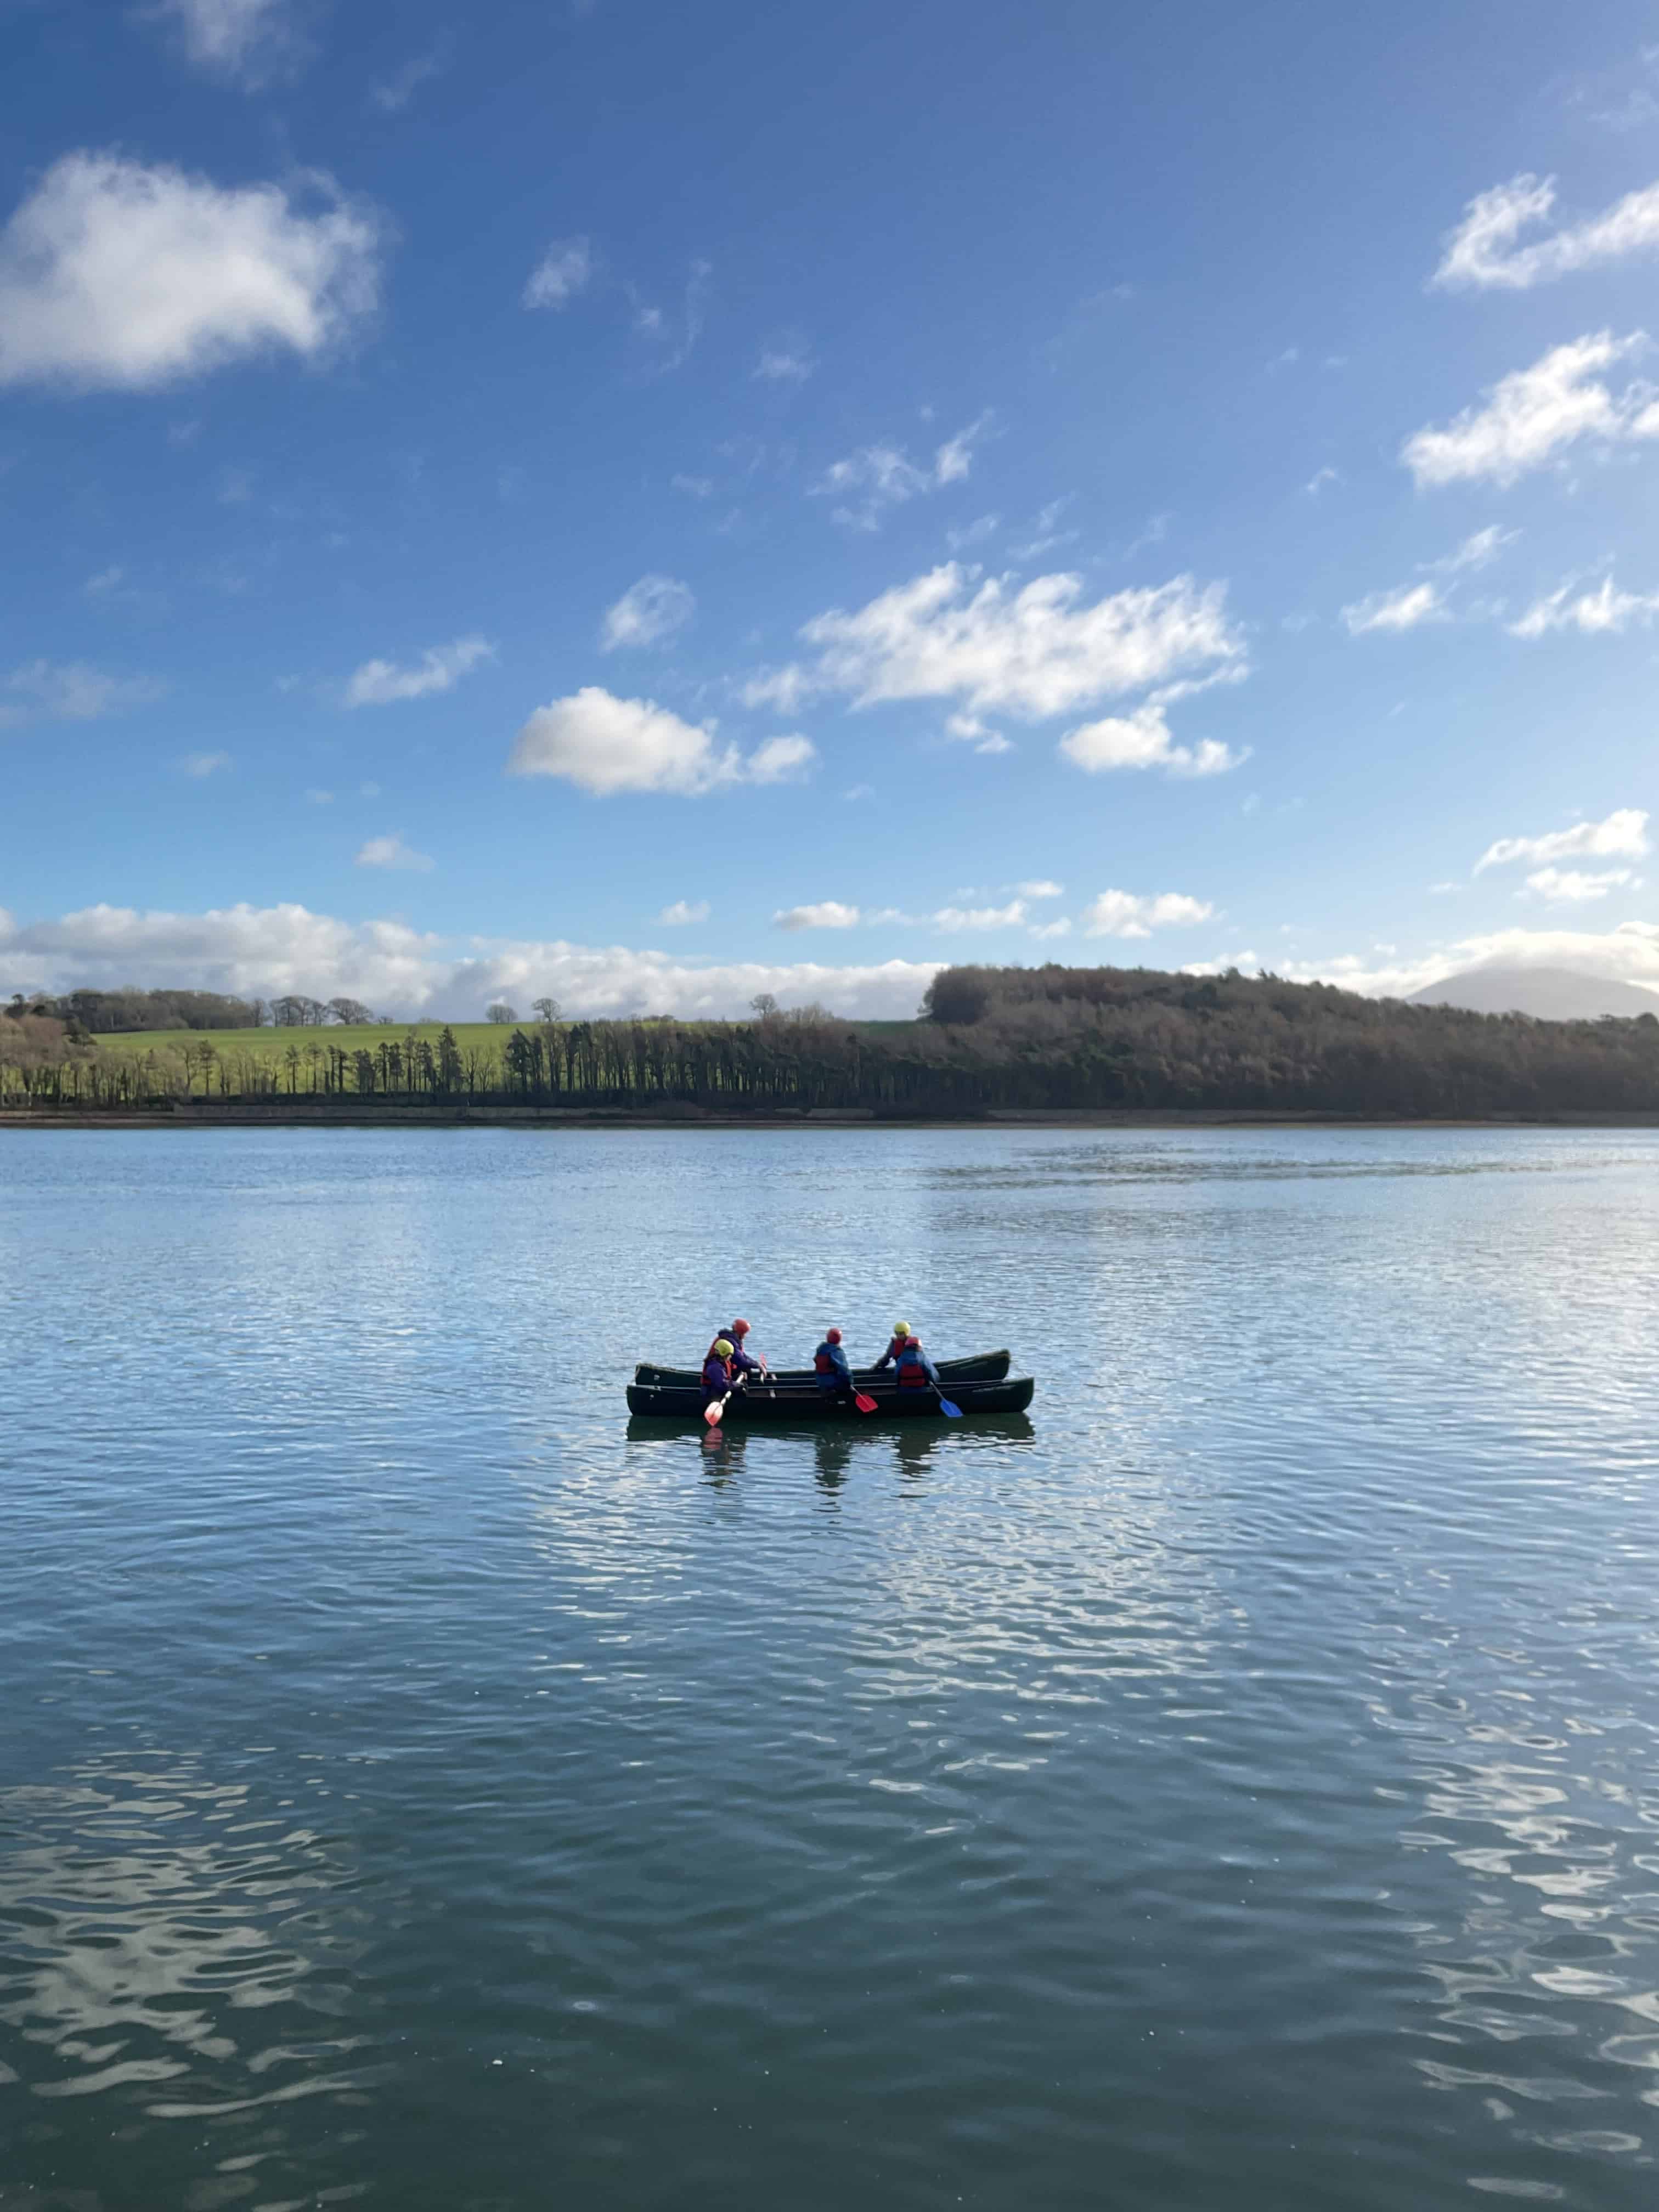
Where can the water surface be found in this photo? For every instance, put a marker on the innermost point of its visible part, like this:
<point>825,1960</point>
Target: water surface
<point>1236,1786</point>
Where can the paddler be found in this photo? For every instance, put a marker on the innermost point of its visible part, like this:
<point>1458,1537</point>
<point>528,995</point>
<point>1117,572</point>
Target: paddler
<point>915,1371</point>
<point>830,1364</point>
<point>742,1363</point>
<point>894,1350</point>
<point>718,1378</point>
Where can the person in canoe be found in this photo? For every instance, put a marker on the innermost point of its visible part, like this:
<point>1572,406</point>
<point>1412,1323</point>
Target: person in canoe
<point>901,1337</point>
<point>720,1377</point>
<point>914,1370</point>
<point>830,1364</point>
<point>741,1363</point>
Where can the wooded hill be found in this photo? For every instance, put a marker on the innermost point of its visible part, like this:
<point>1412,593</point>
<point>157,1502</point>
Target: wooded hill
<point>1052,1038</point>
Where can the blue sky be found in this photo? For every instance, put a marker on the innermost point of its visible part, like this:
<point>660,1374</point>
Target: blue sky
<point>651,505</point>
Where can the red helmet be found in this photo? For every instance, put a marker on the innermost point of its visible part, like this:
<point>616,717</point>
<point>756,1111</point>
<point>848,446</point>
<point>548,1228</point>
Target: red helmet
<point>833,1337</point>
<point>739,1328</point>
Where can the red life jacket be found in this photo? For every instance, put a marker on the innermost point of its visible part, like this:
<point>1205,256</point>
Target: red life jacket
<point>725,1367</point>
<point>895,1349</point>
<point>822,1363</point>
<point>912,1374</point>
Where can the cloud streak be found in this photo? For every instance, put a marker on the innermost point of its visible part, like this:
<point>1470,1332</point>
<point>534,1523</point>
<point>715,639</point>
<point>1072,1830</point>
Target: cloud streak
<point>1534,414</point>
<point>606,745</point>
<point>1482,253</point>
<point>441,668</point>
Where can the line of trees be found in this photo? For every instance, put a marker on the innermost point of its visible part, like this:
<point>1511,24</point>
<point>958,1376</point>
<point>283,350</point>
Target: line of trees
<point>111,1013</point>
<point>1049,1038</point>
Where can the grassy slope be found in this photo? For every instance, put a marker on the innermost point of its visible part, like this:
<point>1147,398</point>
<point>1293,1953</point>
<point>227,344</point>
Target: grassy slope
<point>272,1045</point>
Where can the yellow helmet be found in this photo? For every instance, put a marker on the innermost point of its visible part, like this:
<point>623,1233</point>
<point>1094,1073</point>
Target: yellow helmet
<point>723,1347</point>
<point>901,1329</point>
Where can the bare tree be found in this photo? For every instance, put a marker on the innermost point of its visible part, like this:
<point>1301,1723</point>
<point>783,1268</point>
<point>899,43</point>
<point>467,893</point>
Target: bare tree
<point>764,1006</point>
<point>500,1012</point>
<point>547,1008</point>
<point>350,1014</point>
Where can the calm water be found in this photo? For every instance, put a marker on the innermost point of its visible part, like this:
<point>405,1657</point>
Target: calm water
<point>1236,1786</point>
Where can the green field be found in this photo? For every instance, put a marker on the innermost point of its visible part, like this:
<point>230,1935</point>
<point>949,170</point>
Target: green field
<point>272,1046</point>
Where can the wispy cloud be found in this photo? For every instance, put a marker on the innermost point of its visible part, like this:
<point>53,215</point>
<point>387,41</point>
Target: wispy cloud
<point>1036,651</point>
<point>69,691</point>
<point>684,914</point>
<point>1574,886</point>
<point>1482,252</point>
<point>1407,607</point>
<point>649,613</point>
<point>1130,914</point>
<point>565,270</point>
<point>441,668</point>
<point>250,39</point>
<point>827,914</point>
<point>787,362</point>
<point>204,764</point>
<point>1605,612</point>
<point>878,478</point>
<point>1533,414</point>
<point>392,94</point>
<point>1622,834</point>
<point>391,851</point>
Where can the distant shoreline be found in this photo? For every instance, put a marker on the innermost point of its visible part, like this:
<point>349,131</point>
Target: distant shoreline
<point>296,1116</point>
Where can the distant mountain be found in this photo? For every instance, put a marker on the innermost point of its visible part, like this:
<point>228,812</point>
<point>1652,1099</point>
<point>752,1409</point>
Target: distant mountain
<point>1549,994</point>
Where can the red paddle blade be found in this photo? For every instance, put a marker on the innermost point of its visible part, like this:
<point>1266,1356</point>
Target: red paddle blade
<point>865,1404</point>
<point>712,1414</point>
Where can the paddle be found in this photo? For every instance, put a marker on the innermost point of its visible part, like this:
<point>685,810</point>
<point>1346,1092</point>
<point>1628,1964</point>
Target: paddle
<point>865,1405</point>
<point>951,1413</point>
<point>712,1412</point>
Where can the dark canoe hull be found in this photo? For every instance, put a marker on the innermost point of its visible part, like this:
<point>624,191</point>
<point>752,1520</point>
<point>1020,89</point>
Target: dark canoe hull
<point>984,1367</point>
<point>762,1407</point>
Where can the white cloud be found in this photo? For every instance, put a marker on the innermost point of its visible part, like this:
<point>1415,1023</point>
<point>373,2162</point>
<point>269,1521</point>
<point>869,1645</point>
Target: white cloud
<point>828,913</point>
<point>784,364</point>
<point>1630,952</point>
<point>1042,889</point>
<point>1032,651</point>
<point>973,533</point>
<point>1478,551</point>
<point>236,37</point>
<point>971,731</point>
<point>693,487</point>
<point>1605,611</point>
<point>1572,885</point>
<point>606,744</point>
<point>316,797</point>
<point>1061,928</point>
<point>1403,608</point>
<point>955,917</point>
<point>1534,414</point>
<point>562,271</point>
<point>1622,836</point>
<point>1143,739</point>
<point>69,691</point>
<point>201,764</point>
<point>1317,482</point>
<point>953,461</point>
<point>441,668</point>
<point>117,276</point>
<point>1482,251</point>
<point>391,851</point>
<point>1126,914</point>
<point>878,478</point>
<point>684,913</point>
<point>647,613</point>
<point>269,950</point>
<point>782,760</point>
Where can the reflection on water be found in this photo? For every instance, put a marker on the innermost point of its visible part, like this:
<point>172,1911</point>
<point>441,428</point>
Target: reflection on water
<point>1234,1784</point>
